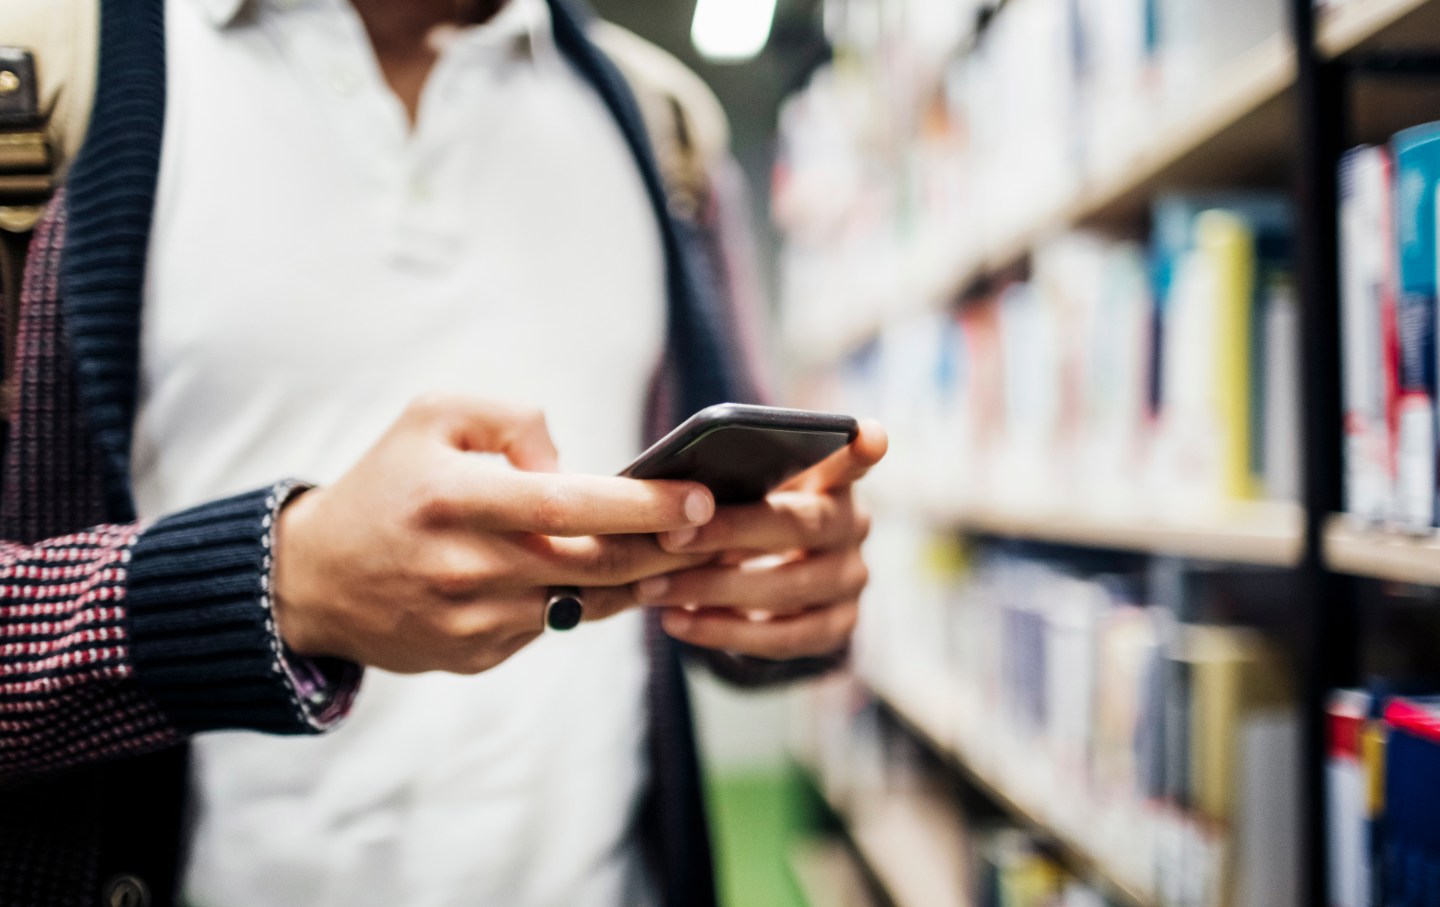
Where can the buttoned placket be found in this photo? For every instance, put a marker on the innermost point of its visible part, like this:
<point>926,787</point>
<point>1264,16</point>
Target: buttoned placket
<point>397,162</point>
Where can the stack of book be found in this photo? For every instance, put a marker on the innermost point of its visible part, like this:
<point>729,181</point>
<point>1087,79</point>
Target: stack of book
<point>1167,748</point>
<point>1014,870</point>
<point>923,142</point>
<point>1388,298</point>
<point>1384,837</point>
<point>866,770</point>
<point>1116,379</point>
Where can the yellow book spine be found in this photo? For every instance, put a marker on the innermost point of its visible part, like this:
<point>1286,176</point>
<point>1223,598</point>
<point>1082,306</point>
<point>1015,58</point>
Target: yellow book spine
<point>1228,244</point>
<point>1372,750</point>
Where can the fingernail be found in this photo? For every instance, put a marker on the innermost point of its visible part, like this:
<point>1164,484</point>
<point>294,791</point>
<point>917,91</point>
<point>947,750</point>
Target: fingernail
<point>679,538</point>
<point>679,621</point>
<point>650,590</point>
<point>698,507</point>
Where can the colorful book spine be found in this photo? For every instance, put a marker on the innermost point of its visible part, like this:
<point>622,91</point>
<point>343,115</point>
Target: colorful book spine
<point>1349,798</point>
<point>1417,170</point>
<point>1228,243</point>
<point>1412,804</point>
<point>1369,351</point>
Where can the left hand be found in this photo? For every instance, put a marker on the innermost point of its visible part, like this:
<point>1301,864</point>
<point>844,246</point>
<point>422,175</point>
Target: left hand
<point>788,572</point>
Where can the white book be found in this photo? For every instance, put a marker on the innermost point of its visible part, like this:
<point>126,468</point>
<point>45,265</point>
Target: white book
<point>1364,267</point>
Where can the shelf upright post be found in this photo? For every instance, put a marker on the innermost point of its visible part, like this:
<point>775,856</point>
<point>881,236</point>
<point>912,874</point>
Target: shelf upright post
<point>1326,614</point>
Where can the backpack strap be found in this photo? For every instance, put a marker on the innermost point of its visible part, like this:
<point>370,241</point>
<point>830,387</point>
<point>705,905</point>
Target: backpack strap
<point>48,62</point>
<point>684,119</point>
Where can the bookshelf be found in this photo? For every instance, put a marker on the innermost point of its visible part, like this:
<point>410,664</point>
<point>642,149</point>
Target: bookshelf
<point>912,843</point>
<point>1277,115</point>
<point>1242,121</point>
<point>923,711</point>
<point>1243,128</point>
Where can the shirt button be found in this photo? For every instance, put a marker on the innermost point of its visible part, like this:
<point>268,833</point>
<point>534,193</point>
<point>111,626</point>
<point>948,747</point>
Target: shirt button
<point>344,82</point>
<point>125,891</point>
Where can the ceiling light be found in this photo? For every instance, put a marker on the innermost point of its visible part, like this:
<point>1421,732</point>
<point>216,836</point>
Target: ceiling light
<point>731,31</point>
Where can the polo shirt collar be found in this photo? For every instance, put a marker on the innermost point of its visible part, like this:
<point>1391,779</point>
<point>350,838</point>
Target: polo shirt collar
<point>526,19</point>
<point>221,12</point>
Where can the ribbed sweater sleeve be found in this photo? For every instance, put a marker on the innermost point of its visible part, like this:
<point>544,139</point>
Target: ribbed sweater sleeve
<point>121,640</point>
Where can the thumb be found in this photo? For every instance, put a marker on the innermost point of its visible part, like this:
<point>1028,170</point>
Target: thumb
<point>488,426</point>
<point>846,466</point>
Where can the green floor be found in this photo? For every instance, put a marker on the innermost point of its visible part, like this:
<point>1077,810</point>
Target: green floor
<point>755,817</point>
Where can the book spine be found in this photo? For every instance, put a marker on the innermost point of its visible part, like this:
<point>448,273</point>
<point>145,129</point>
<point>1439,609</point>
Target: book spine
<point>1417,165</point>
<point>1364,268</point>
<point>1346,791</point>
<point>1228,245</point>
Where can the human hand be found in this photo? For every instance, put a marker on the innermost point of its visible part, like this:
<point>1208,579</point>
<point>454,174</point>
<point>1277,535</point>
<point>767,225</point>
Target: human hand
<point>425,557</point>
<point>786,573</point>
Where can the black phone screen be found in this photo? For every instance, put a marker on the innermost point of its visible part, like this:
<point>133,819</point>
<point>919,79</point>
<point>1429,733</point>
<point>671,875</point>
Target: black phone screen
<point>742,453</point>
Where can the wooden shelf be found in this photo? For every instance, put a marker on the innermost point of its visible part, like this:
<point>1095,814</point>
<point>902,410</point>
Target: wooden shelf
<point>1366,24</point>
<point>1381,554</point>
<point>914,843</point>
<point>927,723</point>
<point>1269,534</point>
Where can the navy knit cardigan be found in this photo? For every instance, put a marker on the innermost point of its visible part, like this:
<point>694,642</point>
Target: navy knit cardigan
<point>118,641</point>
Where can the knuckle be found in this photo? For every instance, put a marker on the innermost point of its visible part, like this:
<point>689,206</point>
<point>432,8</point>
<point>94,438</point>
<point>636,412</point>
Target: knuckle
<point>552,511</point>
<point>531,417</point>
<point>812,518</point>
<point>452,575</point>
<point>859,574</point>
<point>805,516</point>
<point>864,521</point>
<point>432,504</point>
<point>430,405</point>
<point>847,618</point>
<point>611,562</point>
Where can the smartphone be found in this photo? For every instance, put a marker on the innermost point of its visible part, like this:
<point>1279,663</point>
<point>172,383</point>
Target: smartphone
<point>742,452</point>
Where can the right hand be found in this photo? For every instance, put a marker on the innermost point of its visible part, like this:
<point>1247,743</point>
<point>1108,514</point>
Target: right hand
<point>425,557</point>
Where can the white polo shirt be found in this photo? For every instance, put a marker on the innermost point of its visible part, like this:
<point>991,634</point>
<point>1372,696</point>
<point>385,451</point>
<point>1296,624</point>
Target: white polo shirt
<point>315,264</point>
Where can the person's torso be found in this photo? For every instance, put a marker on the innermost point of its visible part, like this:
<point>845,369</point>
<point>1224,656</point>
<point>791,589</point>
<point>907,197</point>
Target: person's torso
<point>314,266</point>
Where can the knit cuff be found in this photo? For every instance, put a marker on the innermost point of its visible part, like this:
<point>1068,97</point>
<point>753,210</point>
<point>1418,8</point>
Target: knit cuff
<point>202,631</point>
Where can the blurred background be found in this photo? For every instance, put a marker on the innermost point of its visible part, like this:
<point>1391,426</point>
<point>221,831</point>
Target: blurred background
<point>1145,291</point>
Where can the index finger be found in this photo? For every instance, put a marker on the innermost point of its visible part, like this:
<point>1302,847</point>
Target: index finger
<point>580,505</point>
<point>846,466</point>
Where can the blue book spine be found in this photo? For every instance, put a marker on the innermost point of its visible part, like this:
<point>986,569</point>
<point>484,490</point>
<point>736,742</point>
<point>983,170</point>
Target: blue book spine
<point>1411,824</point>
<point>1417,171</point>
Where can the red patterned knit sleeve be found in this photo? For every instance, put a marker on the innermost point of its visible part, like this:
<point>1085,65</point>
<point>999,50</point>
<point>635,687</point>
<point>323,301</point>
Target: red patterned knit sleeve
<point>66,683</point>
<point>120,640</point>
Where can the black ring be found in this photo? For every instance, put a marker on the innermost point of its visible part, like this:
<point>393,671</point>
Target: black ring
<point>564,609</point>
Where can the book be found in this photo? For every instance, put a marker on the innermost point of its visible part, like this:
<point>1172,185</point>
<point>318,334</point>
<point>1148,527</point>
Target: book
<point>1369,345</point>
<point>1417,170</point>
<point>1411,846</point>
<point>1219,258</point>
<point>1243,747</point>
<point>1350,800</point>
<point>1279,427</point>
